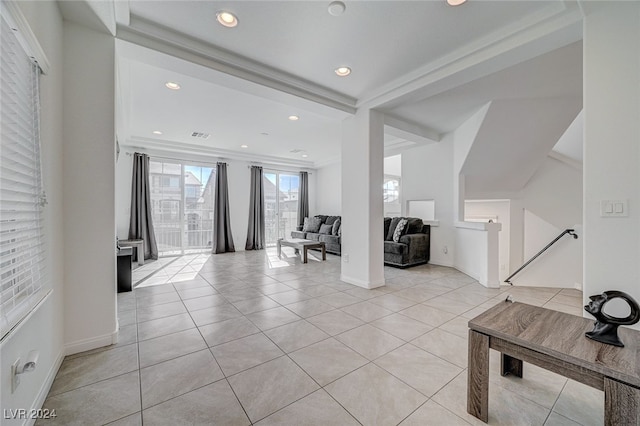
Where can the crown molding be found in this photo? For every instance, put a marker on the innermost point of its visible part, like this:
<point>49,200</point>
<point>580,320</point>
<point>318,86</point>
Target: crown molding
<point>400,128</point>
<point>167,41</point>
<point>192,150</point>
<point>557,25</point>
<point>566,160</point>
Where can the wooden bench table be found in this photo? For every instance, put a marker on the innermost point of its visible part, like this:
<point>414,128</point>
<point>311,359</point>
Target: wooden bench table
<point>554,341</point>
<point>304,245</point>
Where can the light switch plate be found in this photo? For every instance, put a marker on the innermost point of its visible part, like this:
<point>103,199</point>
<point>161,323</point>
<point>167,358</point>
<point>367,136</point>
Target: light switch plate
<point>614,208</point>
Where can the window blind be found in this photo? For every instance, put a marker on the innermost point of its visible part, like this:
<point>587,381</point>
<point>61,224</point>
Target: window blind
<point>22,258</point>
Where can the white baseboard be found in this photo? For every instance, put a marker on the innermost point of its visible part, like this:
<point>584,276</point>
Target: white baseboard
<point>439,262</point>
<point>91,343</point>
<point>470,273</point>
<point>360,283</point>
<point>46,387</point>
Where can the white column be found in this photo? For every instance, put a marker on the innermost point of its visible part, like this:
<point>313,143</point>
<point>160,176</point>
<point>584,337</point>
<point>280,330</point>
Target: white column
<point>362,205</point>
<point>89,189</point>
<point>612,146</point>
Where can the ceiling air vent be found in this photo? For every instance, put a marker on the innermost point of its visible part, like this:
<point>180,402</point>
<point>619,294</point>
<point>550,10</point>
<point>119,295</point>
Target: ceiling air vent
<point>200,135</point>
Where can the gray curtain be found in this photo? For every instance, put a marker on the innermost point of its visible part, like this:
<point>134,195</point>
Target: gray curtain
<point>303,198</point>
<point>141,224</point>
<point>222,238</point>
<point>255,231</point>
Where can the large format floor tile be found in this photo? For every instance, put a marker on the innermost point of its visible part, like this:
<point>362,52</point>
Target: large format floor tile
<point>328,360</point>
<point>84,370</point>
<point>245,353</point>
<point>213,404</point>
<point>169,379</point>
<point>375,397</point>
<point>170,346</point>
<point>369,341</point>
<point>250,338</point>
<point>424,372</point>
<point>296,335</point>
<point>317,409</point>
<point>269,387</point>
<point>98,403</point>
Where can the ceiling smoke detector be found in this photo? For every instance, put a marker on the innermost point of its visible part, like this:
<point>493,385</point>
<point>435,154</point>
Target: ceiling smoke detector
<point>200,135</point>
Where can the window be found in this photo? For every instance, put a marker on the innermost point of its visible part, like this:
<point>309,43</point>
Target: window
<point>182,198</point>
<point>391,189</point>
<point>391,196</point>
<point>22,260</point>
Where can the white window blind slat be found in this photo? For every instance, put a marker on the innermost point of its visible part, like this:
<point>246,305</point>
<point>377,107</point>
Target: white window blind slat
<point>22,256</point>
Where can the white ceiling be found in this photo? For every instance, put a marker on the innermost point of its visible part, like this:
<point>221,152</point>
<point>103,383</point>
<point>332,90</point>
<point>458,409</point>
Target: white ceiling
<point>239,83</point>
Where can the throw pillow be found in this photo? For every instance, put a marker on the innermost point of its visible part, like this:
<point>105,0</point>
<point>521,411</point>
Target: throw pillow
<point>392,228</point>
<point>326,229</point>
<point>387,224</point>
<point>305,225</point>
<point>314,225</point>
<point>398,231</point>
<point>335,227</point>
<point>414,226</point>
<point>330,220</point>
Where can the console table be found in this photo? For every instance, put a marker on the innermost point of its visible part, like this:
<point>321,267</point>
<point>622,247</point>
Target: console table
<point>304,245</point>
<point>554,341</point>
<point>138,245</point>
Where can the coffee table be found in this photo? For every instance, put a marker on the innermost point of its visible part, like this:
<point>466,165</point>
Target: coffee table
<point>554,341</point>
<point>304,245</point>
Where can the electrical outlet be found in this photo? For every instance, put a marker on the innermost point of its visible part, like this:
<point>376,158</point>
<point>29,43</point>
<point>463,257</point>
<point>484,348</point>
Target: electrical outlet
<point>345,258</point>
<point>445,249</point>
<point>15,378</point>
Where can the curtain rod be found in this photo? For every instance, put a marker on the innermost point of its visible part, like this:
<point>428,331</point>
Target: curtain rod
<point>276,170</point>
<point>182,160</point>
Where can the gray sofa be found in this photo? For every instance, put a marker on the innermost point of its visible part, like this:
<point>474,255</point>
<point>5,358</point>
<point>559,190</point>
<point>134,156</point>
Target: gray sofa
<point>411,249</point>
<point>331,240</point>
<point>413,246</point>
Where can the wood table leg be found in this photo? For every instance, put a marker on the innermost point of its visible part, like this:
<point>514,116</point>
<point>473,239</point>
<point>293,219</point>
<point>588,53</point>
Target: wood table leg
<point>324,253</point>
<point>621,403</point>
<point>478,376</point>
<point>510,366</point>
<point>304,254</point>
<point>279,245</point>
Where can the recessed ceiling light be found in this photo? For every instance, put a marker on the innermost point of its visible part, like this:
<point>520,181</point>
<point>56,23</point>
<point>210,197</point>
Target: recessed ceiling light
<point>336,8</point>
<point>294,118</point>
<point>304,155</point>
<point>455,2</point>
<point>227,19</point>
<point>343,71</point>
<point>157,132</point>
<point>172,85</point>
<point>244,146</point>
<point>264,134</point>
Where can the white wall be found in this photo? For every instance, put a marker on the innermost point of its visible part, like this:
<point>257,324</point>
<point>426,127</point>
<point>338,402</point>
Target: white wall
<point>477,251</point>
<point>561,265</point>
<point>480,210</point>
<point>43,331</point>
<point>329,190</point>
<point>89,188</point>
<point>554,194</point>
<point>239,181</point>
<point>611,146</point>
<point>427,174</point>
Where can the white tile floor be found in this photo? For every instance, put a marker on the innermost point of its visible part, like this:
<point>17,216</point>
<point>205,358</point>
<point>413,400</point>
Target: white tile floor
<point>247,338</point>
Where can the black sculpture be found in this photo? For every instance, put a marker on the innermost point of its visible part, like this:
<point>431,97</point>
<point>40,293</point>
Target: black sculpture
<point>605,329</point>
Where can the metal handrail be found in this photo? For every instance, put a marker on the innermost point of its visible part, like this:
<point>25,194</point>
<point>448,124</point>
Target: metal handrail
<point>571,232</point>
